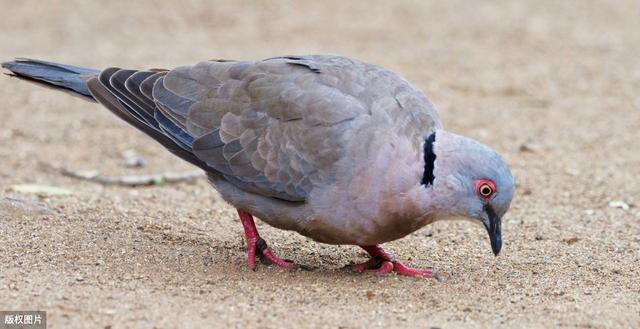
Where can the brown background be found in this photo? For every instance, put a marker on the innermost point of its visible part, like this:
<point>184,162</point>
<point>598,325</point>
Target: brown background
<point>552,85</point>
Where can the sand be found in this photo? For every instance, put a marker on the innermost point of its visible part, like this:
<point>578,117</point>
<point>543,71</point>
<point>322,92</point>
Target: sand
<point>553,86</point>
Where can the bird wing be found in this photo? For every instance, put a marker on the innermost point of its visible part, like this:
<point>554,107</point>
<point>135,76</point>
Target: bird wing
<point>273,127</point>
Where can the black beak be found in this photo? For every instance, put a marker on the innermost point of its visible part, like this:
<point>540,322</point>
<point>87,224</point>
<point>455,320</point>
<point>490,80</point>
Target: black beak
<point>494,230</point>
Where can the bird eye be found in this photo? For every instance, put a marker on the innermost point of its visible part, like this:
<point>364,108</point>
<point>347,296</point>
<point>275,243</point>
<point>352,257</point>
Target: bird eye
<point>485,190</point>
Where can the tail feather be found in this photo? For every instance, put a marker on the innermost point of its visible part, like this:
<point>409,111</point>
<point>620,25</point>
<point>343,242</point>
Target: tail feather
<point>69,77</point>
<point>109,87</point>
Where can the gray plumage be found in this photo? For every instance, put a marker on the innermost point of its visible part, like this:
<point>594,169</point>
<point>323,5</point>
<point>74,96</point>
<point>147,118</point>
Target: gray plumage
<point>328,146</point>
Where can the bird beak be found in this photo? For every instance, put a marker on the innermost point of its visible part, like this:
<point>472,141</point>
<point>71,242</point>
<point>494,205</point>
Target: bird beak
<point>493,228</point>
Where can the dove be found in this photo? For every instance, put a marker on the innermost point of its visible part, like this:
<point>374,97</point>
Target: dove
<point>336,149</point>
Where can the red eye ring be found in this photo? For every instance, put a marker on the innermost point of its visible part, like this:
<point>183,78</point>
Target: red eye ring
<point>485,188</point>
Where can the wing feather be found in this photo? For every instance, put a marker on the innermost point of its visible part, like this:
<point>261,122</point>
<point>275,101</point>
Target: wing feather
<point>275,127</point>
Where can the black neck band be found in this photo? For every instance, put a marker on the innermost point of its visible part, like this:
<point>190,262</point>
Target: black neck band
<point>429,160</point>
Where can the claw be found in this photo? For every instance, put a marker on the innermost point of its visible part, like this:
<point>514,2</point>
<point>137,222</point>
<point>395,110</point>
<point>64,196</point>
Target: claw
<point>402,269</point>
<point>275,260</point>
<point>257,246</point>
<point>382,263</point>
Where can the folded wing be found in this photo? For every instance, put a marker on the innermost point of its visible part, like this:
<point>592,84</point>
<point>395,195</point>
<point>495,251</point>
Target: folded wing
<point>271,127</point>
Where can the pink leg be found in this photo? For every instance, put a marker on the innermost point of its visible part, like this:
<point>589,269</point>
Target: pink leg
<point>382,262</point>
<point>257,246</point>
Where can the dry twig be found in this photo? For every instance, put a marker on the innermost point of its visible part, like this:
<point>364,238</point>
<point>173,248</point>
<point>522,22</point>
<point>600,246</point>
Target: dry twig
<point>130,180</point>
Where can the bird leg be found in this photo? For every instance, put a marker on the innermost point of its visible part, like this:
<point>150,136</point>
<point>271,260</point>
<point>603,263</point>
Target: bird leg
<point>257,245</point>
<point>383,262</point>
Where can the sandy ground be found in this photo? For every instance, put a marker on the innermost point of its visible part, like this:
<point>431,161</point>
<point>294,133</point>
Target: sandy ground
<point>553,87</point>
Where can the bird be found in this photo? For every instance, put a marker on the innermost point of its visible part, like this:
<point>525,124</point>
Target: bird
<point>336,149</point>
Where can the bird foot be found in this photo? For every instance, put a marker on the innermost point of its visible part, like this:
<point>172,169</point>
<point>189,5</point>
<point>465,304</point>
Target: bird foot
<point>382,262</point>
<point>256,246</point>
<point>381,266</point>
<point>259,248</point>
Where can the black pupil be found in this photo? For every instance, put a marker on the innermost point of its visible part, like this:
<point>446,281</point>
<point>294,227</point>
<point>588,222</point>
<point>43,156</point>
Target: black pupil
<point>485,190</point>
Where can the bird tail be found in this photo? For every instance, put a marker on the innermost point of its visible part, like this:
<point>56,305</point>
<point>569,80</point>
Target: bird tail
<point>58,76</point>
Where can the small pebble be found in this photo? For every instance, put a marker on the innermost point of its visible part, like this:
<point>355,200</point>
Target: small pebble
<point>619,204</point>
<point>133,160</point>
<point>370,294</point>
<point>528,147</point>
<point>516,221</point>
<point>572,171</point>
<point>571,240</point>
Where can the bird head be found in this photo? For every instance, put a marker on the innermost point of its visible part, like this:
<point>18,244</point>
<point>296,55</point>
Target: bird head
<point>469,180</point>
